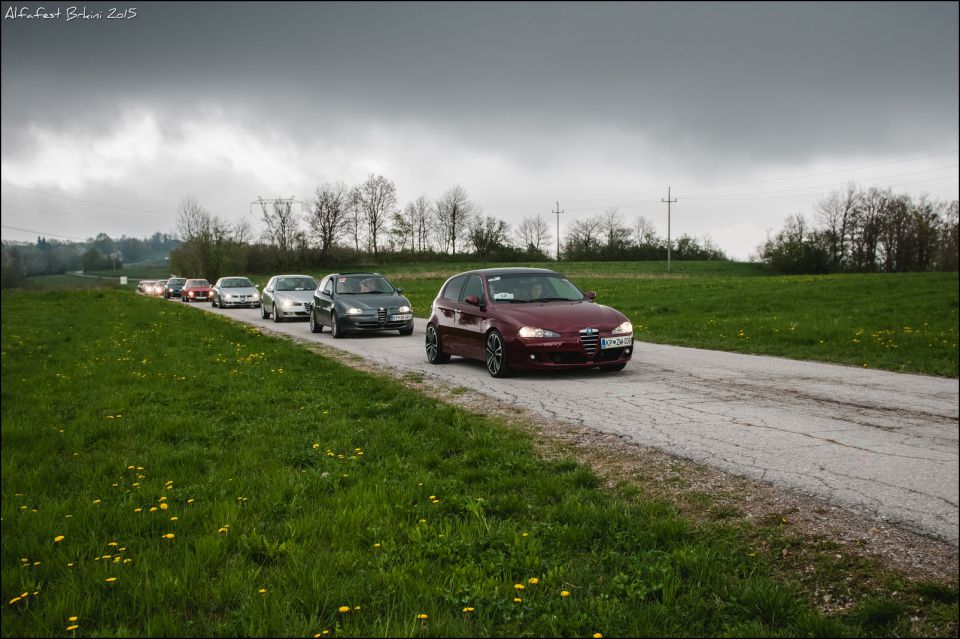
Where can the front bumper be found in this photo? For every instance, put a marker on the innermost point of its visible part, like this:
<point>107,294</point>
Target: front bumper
<point>297,310</point>
<point>568,351</point>
<point>378,322</point>
<point>247,302</point>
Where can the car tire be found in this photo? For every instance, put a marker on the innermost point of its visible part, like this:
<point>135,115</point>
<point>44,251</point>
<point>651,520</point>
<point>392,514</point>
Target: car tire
<point>274,314</point>
<point>315,326</point>
<point>613,368</point>
<point>495,355</point>
<point>213,302</point>
<point>434,347</point>
<point>335,327</point>
<point>263,312</point>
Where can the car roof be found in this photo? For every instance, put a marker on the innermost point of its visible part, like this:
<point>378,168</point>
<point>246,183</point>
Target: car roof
<point>512,270</point>
<point>353,273</point>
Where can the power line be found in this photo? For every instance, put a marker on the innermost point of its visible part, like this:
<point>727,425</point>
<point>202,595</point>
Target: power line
<point>71,214</point>
<point>74,199</point>
<point>41,233</point>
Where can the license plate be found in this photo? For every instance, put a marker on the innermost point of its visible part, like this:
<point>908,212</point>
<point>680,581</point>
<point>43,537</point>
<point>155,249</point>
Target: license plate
<point>616,342</point>
<point>401,318</point>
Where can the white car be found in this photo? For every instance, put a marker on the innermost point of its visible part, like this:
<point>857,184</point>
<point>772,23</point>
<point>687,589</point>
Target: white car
<point>287,296</point>
<point>234,291</point>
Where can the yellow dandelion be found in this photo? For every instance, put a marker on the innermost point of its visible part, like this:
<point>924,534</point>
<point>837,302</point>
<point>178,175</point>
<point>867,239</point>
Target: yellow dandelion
<point>58,539</point>
<point>71,619</point>
<point>110,580</point>
<point>169,536</point>
<point>564,593</point>
<point>174,518</point>
<point>356,607</point>
<point>113,543</point>
<point>469,609</point>
<point>517,599</point>
<point>164,506</point>
<point>223,530</point>
<point>96,501</point>
<point>423,615</point>
<point>73,627</point>
<point>518,586</point>
<point>15,600</point>
<point>597,635</point>
<point>343,609</point>
<point>153,509</point>
<point>189,501</point>
<point>138,510</point>
<point>376,545</point>
<point>533,580</point>
<point>262,590</point>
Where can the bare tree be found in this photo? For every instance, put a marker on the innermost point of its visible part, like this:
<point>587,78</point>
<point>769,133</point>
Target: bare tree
<point>281,222</point>
<point>535,233</point>
<point>329,210</point>
<point>376,200</point>
<point>487,234</point>
<point>419,214</point>
<point>615,234</point>
<point>643,231</point>
<point>584,236</point>
<point>454,213</point>
<point>401,232</point>
<point>836,213</point>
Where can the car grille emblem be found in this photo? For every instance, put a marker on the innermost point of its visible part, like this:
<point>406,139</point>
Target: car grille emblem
<point>590,339</point>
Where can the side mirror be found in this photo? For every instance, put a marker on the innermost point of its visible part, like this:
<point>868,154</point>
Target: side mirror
<point>591,295</point>
<point>472,300</point>
<point>400,290</point>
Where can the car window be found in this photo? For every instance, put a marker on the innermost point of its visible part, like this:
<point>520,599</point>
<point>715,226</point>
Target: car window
<point>328,288</point>
<point>453,288</point>
<point>296,284</point>
<point>526,287</point>
<point>176,282</point>
<point>192,283</point>
<point>237,282</point>
<point>474,287</point>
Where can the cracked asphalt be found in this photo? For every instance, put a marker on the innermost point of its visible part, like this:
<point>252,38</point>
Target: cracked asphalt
<point>877,442</point>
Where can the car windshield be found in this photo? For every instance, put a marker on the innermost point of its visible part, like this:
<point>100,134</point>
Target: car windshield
<point>521,288</point>
<point>296,284</point>
<point>364,285</point>
<point>176,282</point>
<point>192,283</point>
<point>237,282</point>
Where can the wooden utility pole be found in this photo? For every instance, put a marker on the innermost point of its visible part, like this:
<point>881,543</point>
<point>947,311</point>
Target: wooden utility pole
<point>668,201</point>
<point>558,212</point>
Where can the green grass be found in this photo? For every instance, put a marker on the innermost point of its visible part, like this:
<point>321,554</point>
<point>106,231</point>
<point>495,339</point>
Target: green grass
<point>300,487</point>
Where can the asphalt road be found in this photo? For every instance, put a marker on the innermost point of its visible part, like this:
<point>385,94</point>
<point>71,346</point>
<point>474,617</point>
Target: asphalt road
<point>873,441</point>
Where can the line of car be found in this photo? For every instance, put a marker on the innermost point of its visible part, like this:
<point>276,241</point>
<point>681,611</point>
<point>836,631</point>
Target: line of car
<point>508,318</point>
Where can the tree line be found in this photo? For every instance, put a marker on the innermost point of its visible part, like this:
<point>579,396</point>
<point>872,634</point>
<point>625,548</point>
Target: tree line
<point>867,230</point>
<point>363,224</point>
<point>19,260</point>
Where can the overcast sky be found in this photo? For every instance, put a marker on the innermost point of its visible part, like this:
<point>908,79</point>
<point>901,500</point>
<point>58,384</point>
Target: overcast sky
<point>750,112</point>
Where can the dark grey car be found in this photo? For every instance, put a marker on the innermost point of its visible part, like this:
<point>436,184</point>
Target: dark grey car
<point>174,287</point>
<point>348,302</point>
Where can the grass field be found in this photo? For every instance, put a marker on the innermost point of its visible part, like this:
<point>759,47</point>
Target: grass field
<point>905,322</point>
<point>172,473</point>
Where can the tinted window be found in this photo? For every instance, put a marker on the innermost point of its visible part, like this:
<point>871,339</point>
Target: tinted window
<point>474,287</point>
<point>328,289</point>
<point>363,285</point>
<point>453,288</point>
<point>296,284</point>
<point>237,282</point>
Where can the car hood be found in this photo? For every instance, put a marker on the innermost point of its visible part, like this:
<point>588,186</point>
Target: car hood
<point>296,296</point>
<point>372,302</point>
<point>197,288</point>
<point>565,317</point>
<point>239,290</point>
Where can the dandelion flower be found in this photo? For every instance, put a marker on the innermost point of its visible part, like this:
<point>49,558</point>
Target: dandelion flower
<point>533,580</point>
<point>376,545</point>
<point>72,619</point>
<point>174,518</point>
<point>518,586</point>
<point>423,615</point>
<point>597,635</point>
<point>15,600</point>
<point>469,609</point>
<point>343,609</point>
<point>564,593</point>
<point>262,590</point>
<point>164,506</point>
<point>169,536</point>
<point>517,599</point>
<point>110,580</point>
<point>58,539</point>
<point>73,627</point>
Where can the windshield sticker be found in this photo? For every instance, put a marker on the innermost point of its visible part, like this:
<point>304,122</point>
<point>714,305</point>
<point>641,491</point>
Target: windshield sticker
<point>341,280</point>
<point>494,279</point>
<point>503,296</point>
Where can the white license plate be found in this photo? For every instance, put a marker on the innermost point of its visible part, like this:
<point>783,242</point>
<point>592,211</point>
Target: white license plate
<point>401,318</point>
<point>616,342</point>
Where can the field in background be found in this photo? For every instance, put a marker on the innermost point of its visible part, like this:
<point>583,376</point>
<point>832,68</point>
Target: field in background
<point>905,322</point>
<point>173,473</point>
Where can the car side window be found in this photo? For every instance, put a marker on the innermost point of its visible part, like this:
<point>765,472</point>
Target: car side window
<point>474,287</point>
<point>453,288</point>
<point>328,288</point>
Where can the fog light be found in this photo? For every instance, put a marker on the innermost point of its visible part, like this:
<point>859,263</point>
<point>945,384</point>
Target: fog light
<point>533,357</point>
<point>627,351</point>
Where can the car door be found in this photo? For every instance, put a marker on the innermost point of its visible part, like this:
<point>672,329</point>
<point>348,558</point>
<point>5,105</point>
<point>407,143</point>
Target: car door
<point>323,300</point>
<point>268,293</point>
<point>446,306</point>
<point>470,320</point>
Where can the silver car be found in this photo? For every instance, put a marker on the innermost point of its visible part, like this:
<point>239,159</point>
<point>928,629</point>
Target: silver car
<point>287,296</point>
<point>234,291</point>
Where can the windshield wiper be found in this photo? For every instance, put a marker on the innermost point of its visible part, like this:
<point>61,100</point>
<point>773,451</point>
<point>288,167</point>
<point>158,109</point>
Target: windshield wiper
<point>552,299</point>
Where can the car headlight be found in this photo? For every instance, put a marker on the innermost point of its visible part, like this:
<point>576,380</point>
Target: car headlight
<point>529,331</point>
<point>404,309</point>
<point>288,303</point>
<point>256,296</point>
<point>190,293</point>
<point>354,311</point>
<point>624,329</point>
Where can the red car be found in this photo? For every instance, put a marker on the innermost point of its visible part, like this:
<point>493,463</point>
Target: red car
<point>515,318</point>
<point>195,291</point>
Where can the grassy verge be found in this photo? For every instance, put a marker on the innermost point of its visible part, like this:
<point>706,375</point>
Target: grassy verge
<point>167,472</point>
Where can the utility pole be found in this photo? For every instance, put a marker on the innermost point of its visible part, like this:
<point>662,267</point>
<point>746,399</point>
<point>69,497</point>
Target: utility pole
<point>558,212</point>
<point>668,201</point>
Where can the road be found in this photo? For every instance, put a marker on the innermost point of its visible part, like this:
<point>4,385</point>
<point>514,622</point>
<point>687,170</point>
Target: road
<point>872,441</point>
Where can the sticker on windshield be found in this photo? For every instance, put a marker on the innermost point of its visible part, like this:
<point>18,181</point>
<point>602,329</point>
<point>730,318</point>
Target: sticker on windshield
<point>503,296</point>
<point>341,280</point>
<point>493,279</point>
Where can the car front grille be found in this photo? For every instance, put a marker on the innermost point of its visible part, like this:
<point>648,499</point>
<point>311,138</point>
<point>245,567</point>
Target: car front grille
<point>590,339</point>
<point>382,315</point>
